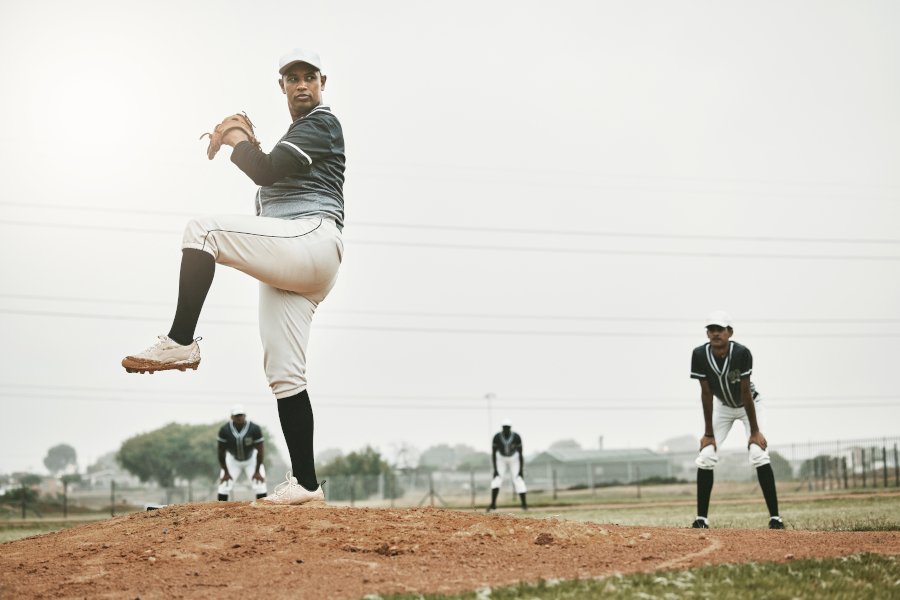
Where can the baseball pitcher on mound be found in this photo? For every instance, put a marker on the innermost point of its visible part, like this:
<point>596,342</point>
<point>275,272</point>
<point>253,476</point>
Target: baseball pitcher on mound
<point>292,246</point>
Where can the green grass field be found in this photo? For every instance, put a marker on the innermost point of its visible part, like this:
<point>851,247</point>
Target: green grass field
<point>858,577</point>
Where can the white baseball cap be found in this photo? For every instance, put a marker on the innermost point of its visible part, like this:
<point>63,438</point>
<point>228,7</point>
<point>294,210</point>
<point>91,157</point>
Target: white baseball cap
<point>238,409</point>
<point>299,55</point>
<point>507,422</point>
<point>720,318</point>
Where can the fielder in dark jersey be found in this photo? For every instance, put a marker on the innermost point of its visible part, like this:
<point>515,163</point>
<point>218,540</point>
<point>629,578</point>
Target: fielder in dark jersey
<point>508,445</point>
<point>241,449</point>
<point>723,368</point>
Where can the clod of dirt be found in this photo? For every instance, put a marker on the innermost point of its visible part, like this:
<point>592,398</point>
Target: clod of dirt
<point>789,556</point>
<point>543,539</point>
<point>645,536</point>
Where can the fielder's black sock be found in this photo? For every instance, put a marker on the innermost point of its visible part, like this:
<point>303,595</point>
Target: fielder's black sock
<point>258,496</point>
<point>522,498</point>
<point>494,493</point>
<point>197,270</point>
<point>704,491</point>
<point>223,497</point>
<point>296,417</point>
<point>767,482</point>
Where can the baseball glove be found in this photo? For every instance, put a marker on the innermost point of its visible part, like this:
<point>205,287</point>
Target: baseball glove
<point>237,121</point>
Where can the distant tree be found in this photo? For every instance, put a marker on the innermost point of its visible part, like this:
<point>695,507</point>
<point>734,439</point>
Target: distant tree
<point>441,456</point>
<point>358,473</point>
<point>475,461</point>
<point>29,479</point>
<point>781,466</point>
<point>59,458</point>
<point>328,455</point>
<point>177,451</point>
<point>568,444</point>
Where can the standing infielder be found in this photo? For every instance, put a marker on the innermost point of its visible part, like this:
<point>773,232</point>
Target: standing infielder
<point>508,444</point>
<point>241,450</point>
<point>723,368</point>
<point>293,247</point>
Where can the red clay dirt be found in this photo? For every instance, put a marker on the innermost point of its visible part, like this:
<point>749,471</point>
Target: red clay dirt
<point>230,550</point>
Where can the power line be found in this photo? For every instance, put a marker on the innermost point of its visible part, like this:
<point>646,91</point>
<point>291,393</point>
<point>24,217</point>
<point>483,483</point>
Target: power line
<point>497,230</point>
<point>502,248</point>
<point>75,390</point>
<point>449,315</point>
<point>452,330</point>
<point>452,407</point>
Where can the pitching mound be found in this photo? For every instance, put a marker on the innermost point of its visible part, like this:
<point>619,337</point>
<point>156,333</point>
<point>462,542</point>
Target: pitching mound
<point>231,549</point>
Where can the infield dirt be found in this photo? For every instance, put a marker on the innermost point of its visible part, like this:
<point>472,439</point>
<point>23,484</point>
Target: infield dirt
<point>230,550</point>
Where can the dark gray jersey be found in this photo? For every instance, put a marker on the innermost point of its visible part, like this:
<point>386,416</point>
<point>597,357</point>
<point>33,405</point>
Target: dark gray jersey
<point>240,442</point>
<point>507,445</point>
<point>724,374</point>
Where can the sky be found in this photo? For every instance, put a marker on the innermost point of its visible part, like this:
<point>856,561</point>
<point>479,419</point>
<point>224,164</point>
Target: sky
<point>543,203</point>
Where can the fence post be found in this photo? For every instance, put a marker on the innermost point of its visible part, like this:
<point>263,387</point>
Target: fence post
<point>896,467</point>
<point>391,481</point>
<point>554,486</point>
<point>884,464</point>
<point>24,502</point>
<point>472,487</point>
<point>862,464</point>
<point>112,497</point>
<point>844,465</point>
<point>352,489</point>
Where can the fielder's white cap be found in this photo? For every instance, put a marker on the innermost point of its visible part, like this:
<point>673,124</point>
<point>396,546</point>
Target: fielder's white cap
<point>720,318</point>
<point>238,409</point>
<point>299,55</point>
<point>507,422</point>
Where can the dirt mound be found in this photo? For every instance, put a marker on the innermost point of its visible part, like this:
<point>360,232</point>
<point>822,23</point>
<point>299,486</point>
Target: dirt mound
<point>229,549</point>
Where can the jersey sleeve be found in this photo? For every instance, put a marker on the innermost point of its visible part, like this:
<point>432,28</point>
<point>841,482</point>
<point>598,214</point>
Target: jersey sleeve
<point>257,434</point>
<point>698,364</point>
<point>223,431</point>
<point>744,362</point>
<point>309,139</point>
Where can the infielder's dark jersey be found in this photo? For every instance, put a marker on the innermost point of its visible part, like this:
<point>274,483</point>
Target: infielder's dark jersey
<point>240,443</point>
<point>316,143</point>
<point>724,374</point>
<point>507,446</point>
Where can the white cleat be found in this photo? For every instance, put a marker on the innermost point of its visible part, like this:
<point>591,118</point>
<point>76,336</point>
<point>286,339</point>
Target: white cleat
<point>164,355</point>
<point>291,492</point>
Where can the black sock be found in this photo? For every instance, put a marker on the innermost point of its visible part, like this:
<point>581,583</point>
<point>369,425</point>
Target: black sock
<point>223,497</point>
<point>296,417</point>
<point>197,270</point>
<point>767,482</point>
<point>704,491</point>
<point>522,498</point>
<point>258,496</point>
<point>494,493</point>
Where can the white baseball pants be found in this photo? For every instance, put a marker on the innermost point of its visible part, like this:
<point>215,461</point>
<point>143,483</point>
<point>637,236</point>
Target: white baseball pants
<point>236,467</point>
<point>723,419</point>
<point>511,464</point>
<point>296,262</point>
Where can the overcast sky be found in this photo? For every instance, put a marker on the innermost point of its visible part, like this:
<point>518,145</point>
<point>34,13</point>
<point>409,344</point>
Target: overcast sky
<point>543,202</point>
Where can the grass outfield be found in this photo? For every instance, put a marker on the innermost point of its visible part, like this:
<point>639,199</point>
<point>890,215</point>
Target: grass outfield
<point>858,577</point>
<point>844,513</point>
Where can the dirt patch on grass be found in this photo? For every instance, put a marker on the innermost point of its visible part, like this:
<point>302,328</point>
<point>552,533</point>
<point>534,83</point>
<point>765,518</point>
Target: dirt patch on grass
<point>229,549</point>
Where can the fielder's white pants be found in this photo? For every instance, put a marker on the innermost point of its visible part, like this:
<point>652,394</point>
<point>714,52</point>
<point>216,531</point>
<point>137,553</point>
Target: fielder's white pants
<point>511,464</point>
<point>236,467</point>
<point>723,418</point>
<point>296,262</point>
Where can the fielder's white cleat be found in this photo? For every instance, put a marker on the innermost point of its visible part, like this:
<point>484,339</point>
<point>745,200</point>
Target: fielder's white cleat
<point>291,492</point>
<point>164,355</point>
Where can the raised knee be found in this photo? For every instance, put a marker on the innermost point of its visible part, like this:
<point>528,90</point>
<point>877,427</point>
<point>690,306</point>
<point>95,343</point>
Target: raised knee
<point>758,456</point>
<point>707,458</point>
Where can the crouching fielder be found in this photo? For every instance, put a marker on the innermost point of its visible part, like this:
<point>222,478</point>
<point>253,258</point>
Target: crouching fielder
<point>508,444</point>
<point>241,451</point>
<point>723,368</point>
